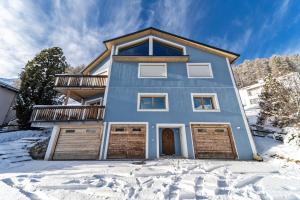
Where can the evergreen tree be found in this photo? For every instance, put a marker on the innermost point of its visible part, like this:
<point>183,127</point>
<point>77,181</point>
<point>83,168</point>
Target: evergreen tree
<point>275,103</point>
<point>37,81</point>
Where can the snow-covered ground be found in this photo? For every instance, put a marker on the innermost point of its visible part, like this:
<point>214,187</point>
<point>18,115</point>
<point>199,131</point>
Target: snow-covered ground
<point>275,178</point>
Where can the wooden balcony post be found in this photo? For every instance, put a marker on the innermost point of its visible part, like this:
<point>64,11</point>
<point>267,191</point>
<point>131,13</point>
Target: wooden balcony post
<point>81,79</point>
<point>36,114</point>
<point>55,114</point>
<point>67,98</point>
<point>56,81</point>
<point>83,115</point>
<point>69,80</point>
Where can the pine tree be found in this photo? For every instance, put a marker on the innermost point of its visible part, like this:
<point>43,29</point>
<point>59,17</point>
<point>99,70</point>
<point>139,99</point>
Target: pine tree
<point>275,103</point>
<point>37,81</point>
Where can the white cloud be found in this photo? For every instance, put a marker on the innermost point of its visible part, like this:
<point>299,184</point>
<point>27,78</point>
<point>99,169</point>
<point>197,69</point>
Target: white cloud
<point>178,16</point>
<point>237,45</point>
<point>26,29</point>
<point>18,40</point>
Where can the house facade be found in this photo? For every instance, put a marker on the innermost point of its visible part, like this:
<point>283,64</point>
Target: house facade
<point>150,94</point>
<point>7,99</point>
<point>250,95</point>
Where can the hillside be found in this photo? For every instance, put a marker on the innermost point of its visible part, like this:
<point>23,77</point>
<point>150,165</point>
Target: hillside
<point>250,71</point>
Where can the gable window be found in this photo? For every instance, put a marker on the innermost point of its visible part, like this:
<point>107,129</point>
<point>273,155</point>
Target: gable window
<point>152,70</point>
<point>138,49</point>
<point>199,70</point>
<point>153,102</point>
<point>150,46</point>
<point>163,49</point>
<point>206,102</point>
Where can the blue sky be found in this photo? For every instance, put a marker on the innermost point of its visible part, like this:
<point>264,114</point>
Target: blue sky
<point>252,28</point>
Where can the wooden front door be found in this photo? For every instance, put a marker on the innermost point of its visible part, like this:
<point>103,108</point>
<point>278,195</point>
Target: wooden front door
<point>168,141</point>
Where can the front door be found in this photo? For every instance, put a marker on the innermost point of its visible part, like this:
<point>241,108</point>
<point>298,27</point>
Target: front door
<point>168,141</point>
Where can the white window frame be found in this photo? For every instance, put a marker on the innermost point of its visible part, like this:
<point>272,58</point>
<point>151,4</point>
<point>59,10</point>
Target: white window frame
<point>215,101</point>
<point>94,101</point>
<point>150,38</point>
<point>193,64</point>
<point>154,64</point>
<point>152,95</point>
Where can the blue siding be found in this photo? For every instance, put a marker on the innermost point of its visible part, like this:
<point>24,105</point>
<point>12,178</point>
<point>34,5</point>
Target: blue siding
<point>125,86</point>
<point>101,66</point>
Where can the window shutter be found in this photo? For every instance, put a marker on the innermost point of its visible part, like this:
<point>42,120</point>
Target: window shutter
<point>153,70</point>
<point>199,70</point>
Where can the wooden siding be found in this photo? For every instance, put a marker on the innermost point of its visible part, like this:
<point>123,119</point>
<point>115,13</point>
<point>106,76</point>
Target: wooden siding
<point>78,144</point>
<point>213,141</point>
<point>127,142</point>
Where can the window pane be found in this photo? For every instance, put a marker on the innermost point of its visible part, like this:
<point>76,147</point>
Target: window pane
<point>197,103</point>
<point>161,49</point>
<point>140,49</point>
<point>208,105</point>
<point>146,103</point>
<point>159,103</point>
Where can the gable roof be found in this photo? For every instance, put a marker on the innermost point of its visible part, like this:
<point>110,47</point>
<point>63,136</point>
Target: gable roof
<point>9,87</point>
<point>163,34</point>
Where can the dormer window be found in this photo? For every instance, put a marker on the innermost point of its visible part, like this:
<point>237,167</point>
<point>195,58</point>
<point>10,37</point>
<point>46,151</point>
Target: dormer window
<point>150,46</point>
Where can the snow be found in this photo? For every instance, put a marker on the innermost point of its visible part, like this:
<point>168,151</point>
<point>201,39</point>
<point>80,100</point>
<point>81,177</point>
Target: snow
<point>275,178</point>
<point>252,114</point>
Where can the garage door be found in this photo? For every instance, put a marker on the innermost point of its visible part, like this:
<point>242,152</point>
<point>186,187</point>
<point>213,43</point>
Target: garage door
<point>213,141</point>
<point>127,142</point>
<point>78,144</point>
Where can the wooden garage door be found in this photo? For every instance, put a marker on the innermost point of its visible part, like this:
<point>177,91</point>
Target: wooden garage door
<point>127,142</point>
<point>78,144</point>
<point>213,141</point>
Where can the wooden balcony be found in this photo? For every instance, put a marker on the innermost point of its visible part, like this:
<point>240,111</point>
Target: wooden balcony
<point>67,113</point>
<point>80,86</point>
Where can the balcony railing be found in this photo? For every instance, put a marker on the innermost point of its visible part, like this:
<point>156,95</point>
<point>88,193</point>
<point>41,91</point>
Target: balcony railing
<point>67,113</point>
<point>89,81</point>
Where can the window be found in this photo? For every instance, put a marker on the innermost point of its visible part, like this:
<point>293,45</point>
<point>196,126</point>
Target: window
<point>150,46</point>
<point>203,102</point>
<point>152,70</point>
<point>95,102</point>
<point>163,49</point>
<point>138,49</point>
<point>153,102</point>
<point>70,131</point>
<point>254,101</point>
<point>199,70</point>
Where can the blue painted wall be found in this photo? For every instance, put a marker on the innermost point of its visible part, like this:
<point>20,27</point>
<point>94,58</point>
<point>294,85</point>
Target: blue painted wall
<point>176,141</point>
<point>125,86</point>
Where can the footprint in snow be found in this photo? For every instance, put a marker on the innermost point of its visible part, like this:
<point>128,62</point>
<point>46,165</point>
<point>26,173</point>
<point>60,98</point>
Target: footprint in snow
<point>247,181</point>
<point>71,182</point>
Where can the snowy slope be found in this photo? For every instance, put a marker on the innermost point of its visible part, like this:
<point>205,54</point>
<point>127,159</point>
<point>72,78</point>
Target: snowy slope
<point>159,179</point>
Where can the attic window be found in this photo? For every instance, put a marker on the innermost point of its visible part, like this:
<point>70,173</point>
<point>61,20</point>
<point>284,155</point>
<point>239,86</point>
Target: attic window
<point>138,49</point>
<point>150,46</point>
<point>163,49</point>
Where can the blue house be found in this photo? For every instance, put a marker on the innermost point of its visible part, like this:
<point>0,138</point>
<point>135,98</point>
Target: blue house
<point>150,94</point>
